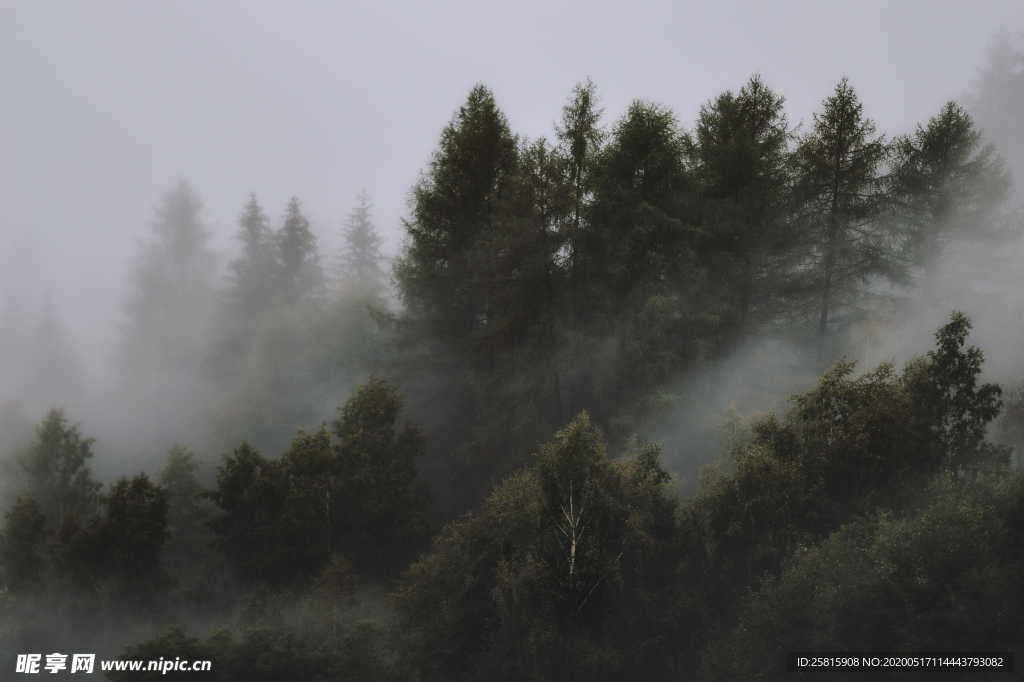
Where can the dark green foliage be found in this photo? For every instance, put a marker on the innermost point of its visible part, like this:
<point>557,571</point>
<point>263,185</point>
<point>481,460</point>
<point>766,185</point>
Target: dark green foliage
<point>957,409</point>
<point>638,235</point>
<point>629,273</point>
<point>352,490</point>
<point>740,157</point>
<point>263,655</point>
<point>130,536</point>
<point>554,577</point>
<point>56,472</point>
<point>636,278</point>
<point>946,182</point>
<point>581,136</point>
<point>943,577</point>
<point>839,190</point>
<point>479,280</point>
<point>382,502</point>
<point>188,555</point>
<point>851,446</point>
<point>22,545</point>
<point>250,492</point>
<point>455,206</point>
<point>184,493</point>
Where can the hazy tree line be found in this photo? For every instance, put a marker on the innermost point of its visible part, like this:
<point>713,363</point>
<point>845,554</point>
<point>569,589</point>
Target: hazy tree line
<point>481,506</point>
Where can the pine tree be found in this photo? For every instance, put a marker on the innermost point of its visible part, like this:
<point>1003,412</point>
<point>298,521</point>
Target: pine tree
<point>22,546</point>
<point>132,534</point>
<point>188,514</point>
<point>839,187</point>
<point>998,102</point>
<point>170,309</point>
<point>359,268</point>
<point>383,504</point>
<point>580,136</point>
<point>299,259</point>
<point>740,157</point>
<point>254,272</point>
<point>637,234</point>
<point>456,206</point>
<point>946,182</point>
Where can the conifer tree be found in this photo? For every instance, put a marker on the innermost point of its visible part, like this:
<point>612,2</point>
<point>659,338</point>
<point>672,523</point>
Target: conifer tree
<point>254,272</point>
<point>839,187</point>
<point>580,136</point>
<point>170,308</point>
<point>997,102</point>
<point>22,546</point>
<point>740,155</point>
<point>383,504</point>
<point>947,183</point>
<point>131,535</point>
<point>299,259</point>
<point>638,233</point>
<point>359,269</point>
<point>454,207</point>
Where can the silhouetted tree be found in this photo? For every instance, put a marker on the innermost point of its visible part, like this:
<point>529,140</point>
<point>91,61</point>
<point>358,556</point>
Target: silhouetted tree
<point>947,183</point>
<point>740,157</point>
<point>454,207</point>
<point>170,308</point>
<point>554,576</point>
<point>299,259</point>
<point>998,100</point>
<point>255,272</point>
<point>57,474</point>
<point>382,504</point>
<point>131,536</point>
<point>839,188</point>
<point>359,269</point>
<point>22,546</point>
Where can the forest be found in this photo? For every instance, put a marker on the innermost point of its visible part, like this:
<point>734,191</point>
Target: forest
<point>612,413</point>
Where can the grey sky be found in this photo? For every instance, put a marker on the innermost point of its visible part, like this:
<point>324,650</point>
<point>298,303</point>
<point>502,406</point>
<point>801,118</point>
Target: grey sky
<point>106,103</point>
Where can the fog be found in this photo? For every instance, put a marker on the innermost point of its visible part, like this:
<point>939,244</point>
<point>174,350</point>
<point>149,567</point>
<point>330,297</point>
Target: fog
<point>220,226</point>
<point>107,103</point>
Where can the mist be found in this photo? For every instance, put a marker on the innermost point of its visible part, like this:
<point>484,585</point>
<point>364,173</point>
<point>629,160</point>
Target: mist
<point>298,302</point>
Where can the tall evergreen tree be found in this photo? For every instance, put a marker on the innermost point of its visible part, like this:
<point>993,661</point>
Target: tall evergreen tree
<point>170,308</point>
<point>131,535</point>
<point>947,183</point>
<point>739,153</point>
<point>189,513</point>
<point>580,136</point>
<point>454,207</point>
<point>998,102</point>
<point>839,186</point>
<point>254,272</point>
<point>359,267</point>
<point>22,546</point>
<point>638,233</point>
<point>383,504</point>
<point>635,266</point>
<point>301,275</point>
